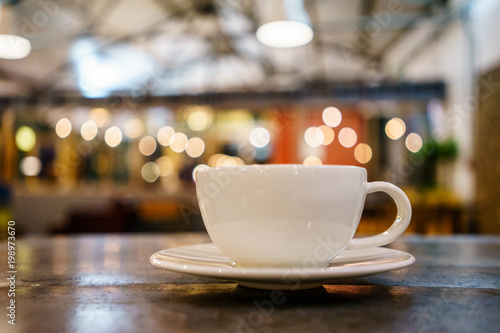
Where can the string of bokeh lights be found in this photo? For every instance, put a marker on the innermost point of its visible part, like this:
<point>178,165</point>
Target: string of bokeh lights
<point>324,135</point>
<point>199,119</point>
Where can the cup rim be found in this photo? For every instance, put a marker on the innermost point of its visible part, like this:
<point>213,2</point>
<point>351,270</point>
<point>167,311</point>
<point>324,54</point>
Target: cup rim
<point>286,166</point>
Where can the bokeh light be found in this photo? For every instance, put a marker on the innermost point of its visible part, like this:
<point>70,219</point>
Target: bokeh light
<point>113,136</point>
<point>198,168</point>
<point>63,128</point>
<point>213,160</point>
<point>347,137</point>
<point>363,153</point>
<point>314,137</point>
<point>134,128</point>
<point>178,142</point>
<point>332,116</point>
<point>88,130</point>
<point>147,145</point>
<point>395,128</point>
<point>30,166</point>
<point>100,116</point>
<point>220,160</point>
<point>259,137</point>
<point>25,138</point>
<point>199,118</point>
<point>413,142</point>
<point>150,172</point>
<point>164,135</point>
<point>195,147</point>
<point>328,135</point>
<point>231,161</point>
<point>166,166</point>
<point>312,160</point>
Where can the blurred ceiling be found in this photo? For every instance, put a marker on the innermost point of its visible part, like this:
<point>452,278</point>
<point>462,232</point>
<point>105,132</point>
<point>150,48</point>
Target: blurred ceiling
<point>173,47</point>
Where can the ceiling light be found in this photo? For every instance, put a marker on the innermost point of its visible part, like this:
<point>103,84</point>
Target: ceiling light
<point>287,24</point>
<point>14,47</point>
<point>284,34</point>
<point>11,46</point>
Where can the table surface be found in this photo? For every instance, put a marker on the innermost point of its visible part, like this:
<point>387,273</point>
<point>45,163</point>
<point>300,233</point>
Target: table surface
<point>105,283</point>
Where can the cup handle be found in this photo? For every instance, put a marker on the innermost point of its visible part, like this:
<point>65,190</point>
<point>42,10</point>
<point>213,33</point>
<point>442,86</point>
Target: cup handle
<point>399,226</point>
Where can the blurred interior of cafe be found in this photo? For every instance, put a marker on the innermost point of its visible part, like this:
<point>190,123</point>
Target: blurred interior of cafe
<point>109,108</point>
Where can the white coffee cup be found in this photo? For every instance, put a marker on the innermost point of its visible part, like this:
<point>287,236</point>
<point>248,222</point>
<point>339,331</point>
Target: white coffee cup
<point>291,215</point>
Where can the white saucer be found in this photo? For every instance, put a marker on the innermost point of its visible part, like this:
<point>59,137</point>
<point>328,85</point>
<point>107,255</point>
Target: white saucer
<point>207,260</point>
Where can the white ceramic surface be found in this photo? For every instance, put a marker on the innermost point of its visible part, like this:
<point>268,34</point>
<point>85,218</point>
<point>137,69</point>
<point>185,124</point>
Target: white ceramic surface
<point>207,260</point>
<point>289,215</point>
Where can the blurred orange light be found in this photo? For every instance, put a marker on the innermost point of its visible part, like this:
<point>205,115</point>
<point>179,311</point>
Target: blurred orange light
<point>99,116</point>
<point>150,172</point>
<point>88,130</point>
<point>63,128</point>
<point>213,160</point>
<point>147,145</point>
<point>134,128</point>
<point>332,116</point>
<point>178,142</point>
<point>31,166</point>
<point>195,147</point>
<point>166,166</point>
<point>113,136</point>
<point>312,160</point>
<point>413,142</point>
<point>259,137</point>
<point>347,137</point>
<point>395,128</point>
<point>314,137</point>
<point>165,134</point>
<point>328,135</point>
<point>363,153</point>
<point>199,118</point>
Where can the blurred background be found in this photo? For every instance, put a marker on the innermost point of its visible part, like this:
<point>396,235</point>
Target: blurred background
<point>108,107</point>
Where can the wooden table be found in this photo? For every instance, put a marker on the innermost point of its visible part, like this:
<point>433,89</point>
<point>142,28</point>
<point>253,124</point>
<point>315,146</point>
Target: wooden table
<point>104,283</point>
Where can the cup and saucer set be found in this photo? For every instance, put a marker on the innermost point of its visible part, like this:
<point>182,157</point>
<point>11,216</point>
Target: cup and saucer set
<point>288,227</point>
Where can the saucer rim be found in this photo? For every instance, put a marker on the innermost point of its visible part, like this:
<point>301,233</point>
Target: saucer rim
<point>276,274</point>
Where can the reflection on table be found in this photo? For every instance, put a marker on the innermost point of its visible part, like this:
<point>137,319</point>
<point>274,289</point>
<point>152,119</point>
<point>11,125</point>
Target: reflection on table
<point>96,283</point>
